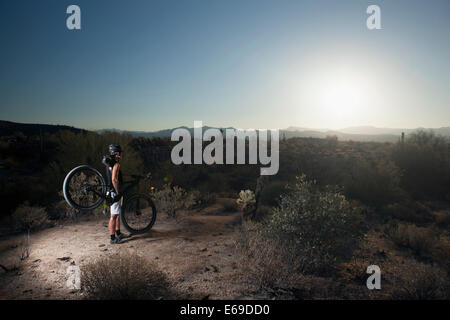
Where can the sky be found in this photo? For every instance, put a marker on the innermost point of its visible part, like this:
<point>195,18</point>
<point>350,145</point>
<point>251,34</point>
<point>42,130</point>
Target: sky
<point>151,65</point>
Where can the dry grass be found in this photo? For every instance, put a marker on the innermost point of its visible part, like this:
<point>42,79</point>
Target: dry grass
<point>420,240</point>
<point>418,281</point>
<point>28,218</point>
<point>125,276</point>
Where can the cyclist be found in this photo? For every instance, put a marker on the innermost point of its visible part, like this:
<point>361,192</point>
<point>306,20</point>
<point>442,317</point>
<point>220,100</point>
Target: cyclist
<point>114,179</point>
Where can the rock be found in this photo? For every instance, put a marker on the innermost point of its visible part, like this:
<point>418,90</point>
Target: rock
<point>204,249</point>
<point>215,269</point>
<point>72,263</point>
<point>63,259</point>
<point>37,260</point>
<point>207,269</point>
<point>101,245</point>
<point>156,258</point>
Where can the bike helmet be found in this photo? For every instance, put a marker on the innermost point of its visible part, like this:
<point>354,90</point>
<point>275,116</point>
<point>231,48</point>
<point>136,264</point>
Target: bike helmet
<point>115,148</point>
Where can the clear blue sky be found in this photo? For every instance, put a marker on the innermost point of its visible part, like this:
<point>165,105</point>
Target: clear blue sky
<point>149,65</point>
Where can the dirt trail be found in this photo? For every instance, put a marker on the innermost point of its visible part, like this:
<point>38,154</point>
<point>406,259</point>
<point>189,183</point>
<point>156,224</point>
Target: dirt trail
<point>197,252</point>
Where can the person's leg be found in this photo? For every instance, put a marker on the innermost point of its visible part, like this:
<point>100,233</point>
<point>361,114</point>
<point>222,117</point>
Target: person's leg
<point>112,226</point>
<point>114,223</point>
<point>117,225</point>
<point>119,234</point>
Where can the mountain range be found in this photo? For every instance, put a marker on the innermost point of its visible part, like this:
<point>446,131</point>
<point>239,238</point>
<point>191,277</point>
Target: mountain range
<point>360,133</point>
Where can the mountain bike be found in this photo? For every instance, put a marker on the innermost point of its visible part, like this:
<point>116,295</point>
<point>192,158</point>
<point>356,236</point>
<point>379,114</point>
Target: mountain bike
<point>85,189</point>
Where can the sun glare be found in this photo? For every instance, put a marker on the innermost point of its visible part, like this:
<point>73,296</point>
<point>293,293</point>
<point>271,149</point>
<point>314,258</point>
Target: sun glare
<point>340,101</point>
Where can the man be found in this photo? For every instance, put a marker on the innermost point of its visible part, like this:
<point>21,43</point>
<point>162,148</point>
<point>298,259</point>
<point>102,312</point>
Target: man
<point>114,177</point>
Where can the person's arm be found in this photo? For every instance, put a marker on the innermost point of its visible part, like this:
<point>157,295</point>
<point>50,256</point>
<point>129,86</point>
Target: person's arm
<point>115,177</point>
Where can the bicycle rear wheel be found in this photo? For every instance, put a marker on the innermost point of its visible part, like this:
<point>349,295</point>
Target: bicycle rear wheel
<point>84,188</point>
<point>138,213</point>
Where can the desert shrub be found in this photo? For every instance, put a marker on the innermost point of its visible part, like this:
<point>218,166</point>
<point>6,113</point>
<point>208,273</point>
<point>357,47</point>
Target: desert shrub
<point>373,182</point>
<point>425,161</point>
<point>28,218</point>
<point>268,267</point>
<point>409,211</point>
<point>206,198</point>
<point>420,240</point>
<point>229,205</point>
<point>310,232</point>
<point>272,192</point>
<point>262,260</point>
<point>443,218</point>
<point>418,281</point>
<point>61,210</point>
<point>170,199</point>
<point>246,201</point>
<point>124,276</point>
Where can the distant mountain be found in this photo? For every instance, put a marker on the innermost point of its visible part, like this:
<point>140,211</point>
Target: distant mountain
<point>8,128</point>
<point>361,133</point>
<point>445,131</point>
<point>166,133</point>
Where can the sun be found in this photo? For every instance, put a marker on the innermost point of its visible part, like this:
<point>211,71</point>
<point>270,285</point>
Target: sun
<point>340,101</point>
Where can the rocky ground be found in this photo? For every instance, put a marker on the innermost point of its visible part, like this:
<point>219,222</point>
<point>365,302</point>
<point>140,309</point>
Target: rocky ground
<point>196,251</point>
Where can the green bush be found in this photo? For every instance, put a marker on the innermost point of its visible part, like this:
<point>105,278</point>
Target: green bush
<point>310,232</point>
<point>170,199</point>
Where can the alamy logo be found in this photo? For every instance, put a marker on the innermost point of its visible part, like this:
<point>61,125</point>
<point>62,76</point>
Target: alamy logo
<point>73,280</point>
<point>73,22</point>
<point>374,281</point>
<point>213,153</point>
<point>374,20</point>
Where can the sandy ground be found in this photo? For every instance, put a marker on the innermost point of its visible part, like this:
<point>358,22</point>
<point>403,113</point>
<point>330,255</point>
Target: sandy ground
<point>196,251</point>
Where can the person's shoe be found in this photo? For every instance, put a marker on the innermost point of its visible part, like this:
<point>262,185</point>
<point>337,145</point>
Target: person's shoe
<point>122,236</point>
<point>115,240</point>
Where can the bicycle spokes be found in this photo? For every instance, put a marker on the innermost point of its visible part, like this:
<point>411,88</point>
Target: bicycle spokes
<point>138,213</point>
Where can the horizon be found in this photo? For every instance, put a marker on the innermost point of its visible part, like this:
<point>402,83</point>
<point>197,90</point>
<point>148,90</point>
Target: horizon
<point>297,128</point>
<point>155,65</point>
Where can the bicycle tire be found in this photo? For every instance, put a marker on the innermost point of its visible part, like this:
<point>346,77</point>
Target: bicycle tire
<point>66,187</point>
<point>126,215</point>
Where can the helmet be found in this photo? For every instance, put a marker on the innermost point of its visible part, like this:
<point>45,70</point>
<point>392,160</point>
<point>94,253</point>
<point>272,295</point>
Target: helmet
<point>115,148</point>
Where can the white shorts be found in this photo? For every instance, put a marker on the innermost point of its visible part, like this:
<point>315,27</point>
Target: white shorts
<point>115,207</point>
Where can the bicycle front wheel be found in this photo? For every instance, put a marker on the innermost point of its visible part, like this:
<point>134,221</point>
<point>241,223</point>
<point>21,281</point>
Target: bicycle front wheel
<point>84,188</point>
<point>138,213</point>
